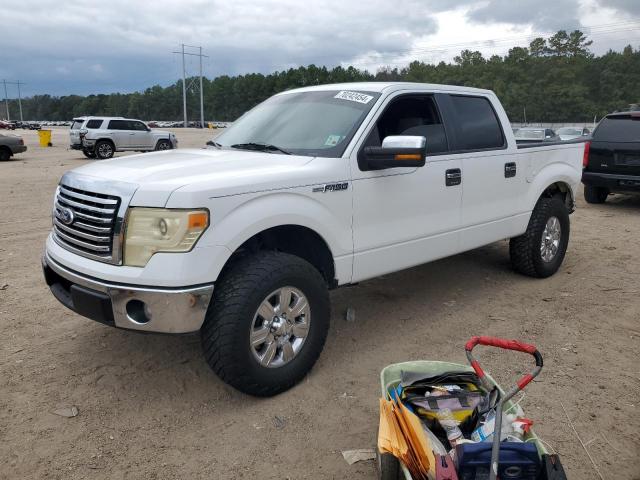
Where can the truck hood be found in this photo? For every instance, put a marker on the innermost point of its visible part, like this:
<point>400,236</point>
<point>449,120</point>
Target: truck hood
<point>218,172</point>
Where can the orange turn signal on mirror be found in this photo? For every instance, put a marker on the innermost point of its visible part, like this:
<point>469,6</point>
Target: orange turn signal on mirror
<point>198,220</point>
<point>408,156</point>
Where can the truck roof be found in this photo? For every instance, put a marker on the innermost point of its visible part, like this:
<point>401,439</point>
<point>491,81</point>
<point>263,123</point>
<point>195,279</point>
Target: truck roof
<point>387,87</point>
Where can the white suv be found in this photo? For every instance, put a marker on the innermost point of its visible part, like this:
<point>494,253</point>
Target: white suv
<point>101,137</point>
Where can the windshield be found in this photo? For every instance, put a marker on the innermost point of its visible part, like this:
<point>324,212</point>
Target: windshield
<point>319,123</point>
<point>570,131</point>
<point>76,124</point>
<point>531,134</point>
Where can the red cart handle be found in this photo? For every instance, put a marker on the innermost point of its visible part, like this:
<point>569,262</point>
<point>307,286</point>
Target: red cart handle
<point>507,345</point>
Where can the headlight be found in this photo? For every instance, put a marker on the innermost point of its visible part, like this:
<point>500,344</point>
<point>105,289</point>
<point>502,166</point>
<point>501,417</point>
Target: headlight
<point>151,230</point>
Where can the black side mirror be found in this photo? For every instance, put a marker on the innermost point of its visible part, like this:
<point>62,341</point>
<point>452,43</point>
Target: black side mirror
<point>396,151</point>
<point>210,143</point>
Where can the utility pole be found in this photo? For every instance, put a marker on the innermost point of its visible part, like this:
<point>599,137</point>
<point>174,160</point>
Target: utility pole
<point>6,100</point>
<point>19,101</point>
<point>184,89</point>
<point>184,82</point>
<point>201,94</point>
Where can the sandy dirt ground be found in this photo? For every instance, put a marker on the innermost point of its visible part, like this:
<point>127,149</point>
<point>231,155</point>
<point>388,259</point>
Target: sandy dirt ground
<point>149,407</point>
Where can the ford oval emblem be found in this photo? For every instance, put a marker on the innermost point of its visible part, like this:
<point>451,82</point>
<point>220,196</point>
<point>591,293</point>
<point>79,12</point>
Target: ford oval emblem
<point>66,215</point>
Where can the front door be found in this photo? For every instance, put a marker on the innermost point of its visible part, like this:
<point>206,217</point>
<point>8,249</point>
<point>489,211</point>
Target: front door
<point>140,136</point>
<point>405,216</point>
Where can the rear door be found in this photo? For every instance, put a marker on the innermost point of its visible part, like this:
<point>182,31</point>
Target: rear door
<point>615,147</point>
<point>120,133</point>
<point>493,177</point>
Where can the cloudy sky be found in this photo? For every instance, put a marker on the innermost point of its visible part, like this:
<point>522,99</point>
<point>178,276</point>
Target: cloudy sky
<point>75,46</point>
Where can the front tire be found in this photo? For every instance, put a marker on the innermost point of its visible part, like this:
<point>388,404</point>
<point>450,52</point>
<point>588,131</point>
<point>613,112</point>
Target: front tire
<point>163,145</point>
<point>104,150</point>
<point>89,153</point>
<point>539,252</point>
<point>259,335</point>
<point>594,194</point>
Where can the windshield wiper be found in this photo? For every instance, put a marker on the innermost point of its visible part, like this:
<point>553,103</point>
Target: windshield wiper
<point>211,143</point>
<point>262,147</point>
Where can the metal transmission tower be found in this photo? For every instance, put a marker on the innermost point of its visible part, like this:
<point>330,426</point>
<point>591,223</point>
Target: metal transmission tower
<point>6,98</point>
<point>184,82</point>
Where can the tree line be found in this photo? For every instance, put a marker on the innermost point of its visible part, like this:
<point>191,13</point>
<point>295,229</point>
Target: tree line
<point>555,79</point>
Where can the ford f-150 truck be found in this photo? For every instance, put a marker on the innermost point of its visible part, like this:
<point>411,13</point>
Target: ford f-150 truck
<point>313,189</point>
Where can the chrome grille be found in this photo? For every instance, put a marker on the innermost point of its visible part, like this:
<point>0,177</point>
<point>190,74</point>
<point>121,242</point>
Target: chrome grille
<point>85,222</point>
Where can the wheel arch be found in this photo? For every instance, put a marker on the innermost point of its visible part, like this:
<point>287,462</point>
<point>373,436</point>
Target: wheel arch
<point>555,179</point>
<point>298,240</point>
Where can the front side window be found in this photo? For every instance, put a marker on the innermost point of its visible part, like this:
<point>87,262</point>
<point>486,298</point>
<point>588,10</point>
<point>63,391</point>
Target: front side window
<point>478,125</point>
<point>415,115</point>
<point>139,126</point>
<point>316,123</point>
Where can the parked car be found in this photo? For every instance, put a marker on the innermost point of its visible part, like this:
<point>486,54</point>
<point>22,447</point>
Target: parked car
<point>612,159</point>
<point>569,133</point>
<point>101,137</point>
<point>313,189</point>
<point>4,125</point>
<point>535,135</point>
<point>10,145</point>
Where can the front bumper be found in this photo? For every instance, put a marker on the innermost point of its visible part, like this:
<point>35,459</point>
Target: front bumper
<point>76,146</point>
<point>18,148</point>
<point>165,310</point>
<point>615,183</point>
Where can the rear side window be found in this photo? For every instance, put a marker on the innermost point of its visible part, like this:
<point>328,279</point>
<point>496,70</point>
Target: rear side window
<point>94,123</point>
<point>118,125</point>
<point>619,128</point>
<point>478,125</point>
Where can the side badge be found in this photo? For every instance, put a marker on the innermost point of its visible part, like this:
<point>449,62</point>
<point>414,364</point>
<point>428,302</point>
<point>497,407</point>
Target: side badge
<point>332,187</point>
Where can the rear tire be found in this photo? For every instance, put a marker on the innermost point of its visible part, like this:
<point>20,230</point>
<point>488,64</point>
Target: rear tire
<point>89,153</point>
<point>5,154</point>
<point>594,194</point>
<point>104,149</point>
<point>539,252</point>
<point>231,333</point>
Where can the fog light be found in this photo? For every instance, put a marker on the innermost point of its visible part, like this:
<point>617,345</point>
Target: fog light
<point>138,312</point>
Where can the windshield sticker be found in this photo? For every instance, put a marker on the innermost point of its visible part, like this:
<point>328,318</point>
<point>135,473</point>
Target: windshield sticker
<point>354,96</point>
<point>333,140</point>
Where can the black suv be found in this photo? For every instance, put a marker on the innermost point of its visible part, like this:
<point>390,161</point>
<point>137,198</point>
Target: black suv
<point>612,161</point>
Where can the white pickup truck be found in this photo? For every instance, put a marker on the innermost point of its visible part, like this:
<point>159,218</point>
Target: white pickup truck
<point>313,189</point>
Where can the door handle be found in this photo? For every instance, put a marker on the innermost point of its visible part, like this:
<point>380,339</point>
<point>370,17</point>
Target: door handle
<point>132,133</point>
<point>510,169</point>
<point>453,177</point>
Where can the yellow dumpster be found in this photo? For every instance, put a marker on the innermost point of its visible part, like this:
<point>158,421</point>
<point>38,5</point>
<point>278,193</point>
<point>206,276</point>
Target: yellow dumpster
<point>45,138</point>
